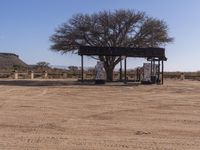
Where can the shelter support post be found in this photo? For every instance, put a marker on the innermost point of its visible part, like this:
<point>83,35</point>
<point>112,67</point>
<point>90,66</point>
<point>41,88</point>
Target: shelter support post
<point>82,71</point>
<point>162,72</point>
<point>151,67</point>
<point>137,72</point>
<point>120,71</point>
<point>159,71</point>
<point>154,68</point>
<point>125,76</point>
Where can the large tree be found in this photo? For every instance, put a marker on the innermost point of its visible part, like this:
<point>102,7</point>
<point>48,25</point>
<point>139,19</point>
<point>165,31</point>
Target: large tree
<point>121,28</point>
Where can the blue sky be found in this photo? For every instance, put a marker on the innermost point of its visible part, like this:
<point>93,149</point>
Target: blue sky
<point>26,25</point>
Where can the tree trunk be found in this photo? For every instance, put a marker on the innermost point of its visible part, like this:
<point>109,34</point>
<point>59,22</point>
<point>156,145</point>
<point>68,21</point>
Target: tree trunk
<point>109,64</point>
<point>109,73</point>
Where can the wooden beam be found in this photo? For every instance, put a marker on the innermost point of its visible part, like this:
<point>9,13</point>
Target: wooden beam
<point>125,77</point>
<point>120,77</point>
<point>137,72</point>
<point>123,51</point>
<point>151,67</point>
<point>158,71</point>
<point>154,69</point>
<point>82,70</point>
<point>162,72</point>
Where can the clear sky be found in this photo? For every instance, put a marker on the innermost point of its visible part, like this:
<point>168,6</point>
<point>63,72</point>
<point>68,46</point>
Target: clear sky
<point>26,25</point>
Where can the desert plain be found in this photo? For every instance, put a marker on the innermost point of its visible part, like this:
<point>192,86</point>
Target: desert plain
<point>108,117</point>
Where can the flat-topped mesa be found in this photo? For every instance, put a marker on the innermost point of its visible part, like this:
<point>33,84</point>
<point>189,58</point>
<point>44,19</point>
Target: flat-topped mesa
<point>9,54</point>
<point>10,60</point>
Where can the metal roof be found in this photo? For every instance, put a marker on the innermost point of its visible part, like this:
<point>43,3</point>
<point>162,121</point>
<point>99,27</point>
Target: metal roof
<point>123,51</point>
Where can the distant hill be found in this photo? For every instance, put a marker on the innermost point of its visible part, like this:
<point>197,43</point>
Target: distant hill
<point>9,60</point>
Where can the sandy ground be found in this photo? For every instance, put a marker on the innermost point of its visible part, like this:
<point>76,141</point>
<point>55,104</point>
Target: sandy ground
<point>74,117</point>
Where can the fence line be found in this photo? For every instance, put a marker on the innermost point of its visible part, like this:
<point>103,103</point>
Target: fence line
<point>87,75</point>
<point>46,75</point>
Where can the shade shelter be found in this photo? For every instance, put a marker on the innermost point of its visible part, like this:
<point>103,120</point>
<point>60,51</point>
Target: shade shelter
<point>154,55</point>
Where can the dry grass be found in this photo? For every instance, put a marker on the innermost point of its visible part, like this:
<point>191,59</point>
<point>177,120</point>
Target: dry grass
<point>74,117</point>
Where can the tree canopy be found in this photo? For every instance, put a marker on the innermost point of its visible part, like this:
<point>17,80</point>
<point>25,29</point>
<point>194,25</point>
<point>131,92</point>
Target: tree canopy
<point>120,28</point>
<point>43,64</point>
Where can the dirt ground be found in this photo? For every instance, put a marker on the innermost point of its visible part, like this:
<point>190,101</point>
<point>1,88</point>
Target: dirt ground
<point>111,117</point>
